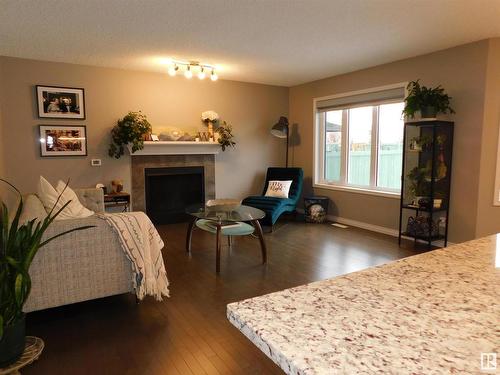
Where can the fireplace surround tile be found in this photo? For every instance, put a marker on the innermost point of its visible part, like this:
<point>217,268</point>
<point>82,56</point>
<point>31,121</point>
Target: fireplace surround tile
<point>141,162</point>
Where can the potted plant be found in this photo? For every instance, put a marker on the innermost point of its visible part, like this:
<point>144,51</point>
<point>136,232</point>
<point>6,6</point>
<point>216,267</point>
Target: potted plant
<point>419,185</point>
<point>132,129</point>
<point>225,131</point>
<point>19,243</point>
<point>428,101</point>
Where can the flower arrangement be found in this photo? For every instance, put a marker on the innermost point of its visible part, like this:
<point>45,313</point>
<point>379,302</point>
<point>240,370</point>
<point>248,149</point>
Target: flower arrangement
<point>209,116</point>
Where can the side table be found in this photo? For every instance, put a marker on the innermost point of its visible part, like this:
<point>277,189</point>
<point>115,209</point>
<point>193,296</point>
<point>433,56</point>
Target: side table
<point>121,199</point>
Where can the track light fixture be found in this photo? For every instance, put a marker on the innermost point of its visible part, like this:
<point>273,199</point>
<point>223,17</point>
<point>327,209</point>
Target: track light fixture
<point>201,74</point>
<point>188,73</point>
<point>172,71</point>
<point>189,66</point>
<point>214,76</point>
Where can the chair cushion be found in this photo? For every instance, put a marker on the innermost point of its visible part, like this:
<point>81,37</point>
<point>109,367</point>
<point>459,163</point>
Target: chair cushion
<point>241,230</point>
<point>273,207</point>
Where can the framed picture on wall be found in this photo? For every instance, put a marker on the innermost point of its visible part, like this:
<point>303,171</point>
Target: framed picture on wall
<point>63,140</point>
<point>60,102</point>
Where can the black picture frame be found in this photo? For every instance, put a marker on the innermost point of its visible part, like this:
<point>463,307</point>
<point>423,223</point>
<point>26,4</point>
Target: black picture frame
<point>74,142</point>
<point>56,102</point>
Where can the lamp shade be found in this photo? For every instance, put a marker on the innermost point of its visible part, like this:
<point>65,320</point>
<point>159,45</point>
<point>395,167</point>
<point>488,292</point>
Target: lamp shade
<point>280,129</point>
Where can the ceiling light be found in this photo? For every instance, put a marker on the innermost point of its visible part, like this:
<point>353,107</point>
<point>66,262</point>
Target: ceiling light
<point>188,73</point>
<point>214,76</point>
<point>201,74</point>
<point>187,68</point>
<point>173,70</point>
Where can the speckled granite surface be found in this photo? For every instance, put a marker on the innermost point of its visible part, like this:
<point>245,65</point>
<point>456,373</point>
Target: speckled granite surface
<point>429,314</point>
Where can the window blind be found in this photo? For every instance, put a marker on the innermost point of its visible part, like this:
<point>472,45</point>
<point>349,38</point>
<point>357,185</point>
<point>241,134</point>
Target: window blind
<point>360,99</point>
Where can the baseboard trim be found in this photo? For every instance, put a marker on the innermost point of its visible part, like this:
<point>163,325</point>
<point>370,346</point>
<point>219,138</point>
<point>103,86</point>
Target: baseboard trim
<point>374,228</point>
<point>362,225</point>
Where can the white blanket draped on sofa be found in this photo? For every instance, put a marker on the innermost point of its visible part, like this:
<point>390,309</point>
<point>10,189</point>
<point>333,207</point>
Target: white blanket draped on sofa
<point>142,244</point>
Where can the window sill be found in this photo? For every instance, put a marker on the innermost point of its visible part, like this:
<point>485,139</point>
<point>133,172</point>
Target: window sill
<point>357,190</point>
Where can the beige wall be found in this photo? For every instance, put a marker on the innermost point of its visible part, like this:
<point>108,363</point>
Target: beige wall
<point>167,101</point>
<point>462,71</point>
<point>488,218</point>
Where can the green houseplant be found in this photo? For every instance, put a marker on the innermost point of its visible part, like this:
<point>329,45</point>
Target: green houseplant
<point>226,136</point>
<point>129,130</point>
<point>418,182</point>
<point>19,243</point>
<point>428,101</point>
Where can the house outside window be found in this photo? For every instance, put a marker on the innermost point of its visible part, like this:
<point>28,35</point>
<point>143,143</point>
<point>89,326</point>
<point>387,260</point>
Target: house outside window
<point>359,141</point>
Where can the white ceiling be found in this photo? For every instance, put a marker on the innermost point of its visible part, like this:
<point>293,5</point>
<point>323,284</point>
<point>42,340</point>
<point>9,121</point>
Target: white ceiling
<point>275,41</point>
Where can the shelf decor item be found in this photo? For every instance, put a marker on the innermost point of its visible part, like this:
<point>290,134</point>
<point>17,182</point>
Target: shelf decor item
<point>425,188</point>
<point>132,129</point>
<point>19,244</point>
<point>63,140</point>
<point>223,205</point>
<point>60,102</point>
<point>211,119</point>
<point>428,101</point>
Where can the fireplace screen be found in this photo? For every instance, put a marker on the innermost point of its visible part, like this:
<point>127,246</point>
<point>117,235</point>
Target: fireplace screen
<point>170,190</point>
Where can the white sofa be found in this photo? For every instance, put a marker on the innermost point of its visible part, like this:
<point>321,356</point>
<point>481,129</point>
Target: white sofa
<point>82,265</point>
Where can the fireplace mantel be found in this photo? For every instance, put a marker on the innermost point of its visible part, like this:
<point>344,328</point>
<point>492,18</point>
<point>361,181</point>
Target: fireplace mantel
<point>177,148</point>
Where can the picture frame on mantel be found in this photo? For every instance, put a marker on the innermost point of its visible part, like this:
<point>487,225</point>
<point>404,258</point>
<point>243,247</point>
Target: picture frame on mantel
<point>63,140</point>
<point>60,102</point>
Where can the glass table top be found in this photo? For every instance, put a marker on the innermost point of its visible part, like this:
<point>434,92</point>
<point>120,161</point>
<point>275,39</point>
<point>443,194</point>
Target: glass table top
<point>242,213</point>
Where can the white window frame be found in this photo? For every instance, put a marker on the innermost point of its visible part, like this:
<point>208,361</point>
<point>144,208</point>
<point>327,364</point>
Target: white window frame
<point>319,144</point>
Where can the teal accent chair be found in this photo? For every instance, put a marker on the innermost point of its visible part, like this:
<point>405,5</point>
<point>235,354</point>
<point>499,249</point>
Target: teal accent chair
<point>275,207</point>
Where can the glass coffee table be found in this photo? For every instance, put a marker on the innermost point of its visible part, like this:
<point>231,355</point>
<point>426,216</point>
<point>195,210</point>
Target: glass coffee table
<point>241,221</point>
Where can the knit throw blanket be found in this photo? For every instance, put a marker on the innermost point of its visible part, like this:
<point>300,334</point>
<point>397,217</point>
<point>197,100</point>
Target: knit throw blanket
<point>142,245</point>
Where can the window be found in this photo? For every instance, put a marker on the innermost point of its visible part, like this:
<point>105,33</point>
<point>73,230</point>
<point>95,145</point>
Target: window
<point>359,141</point>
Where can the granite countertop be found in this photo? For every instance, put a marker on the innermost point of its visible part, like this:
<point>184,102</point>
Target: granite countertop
<point>432,313</point>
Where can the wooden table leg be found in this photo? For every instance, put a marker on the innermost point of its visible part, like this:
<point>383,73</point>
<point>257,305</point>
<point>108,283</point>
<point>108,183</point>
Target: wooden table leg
<point>263,248</point>
<point>190,234</point>
<point>217,248</point>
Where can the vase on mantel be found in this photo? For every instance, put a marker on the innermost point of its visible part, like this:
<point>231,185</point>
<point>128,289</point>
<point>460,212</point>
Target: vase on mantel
<point>210,129</point>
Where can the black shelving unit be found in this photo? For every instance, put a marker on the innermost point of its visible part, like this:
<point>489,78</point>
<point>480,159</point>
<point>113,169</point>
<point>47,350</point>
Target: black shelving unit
<point>425,181</point>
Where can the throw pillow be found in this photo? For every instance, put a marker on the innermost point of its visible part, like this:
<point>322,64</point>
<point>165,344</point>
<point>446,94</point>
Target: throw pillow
<point>48,195</point>
<point>278,189</point>
<point>32,209</point>
<point>75,208</point>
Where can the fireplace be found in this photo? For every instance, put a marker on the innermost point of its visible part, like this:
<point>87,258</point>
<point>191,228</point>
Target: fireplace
<point>161,164</point>
<point>169,190</point>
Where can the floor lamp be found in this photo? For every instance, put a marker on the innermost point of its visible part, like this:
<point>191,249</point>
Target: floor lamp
<point>281,130</point>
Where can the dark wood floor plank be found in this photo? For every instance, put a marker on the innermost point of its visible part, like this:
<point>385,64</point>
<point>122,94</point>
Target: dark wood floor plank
<point>189,333</point>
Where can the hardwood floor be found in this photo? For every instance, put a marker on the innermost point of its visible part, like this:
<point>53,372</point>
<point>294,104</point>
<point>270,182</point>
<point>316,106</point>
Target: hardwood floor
<point>188,333</point>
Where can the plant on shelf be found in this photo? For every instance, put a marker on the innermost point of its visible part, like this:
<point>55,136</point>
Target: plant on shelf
<point>419,185</point>
<point>422,143</point>
<point>19,244</point>
<point>428,101</point>
<point>132,129</point>
<point>226,136</point>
